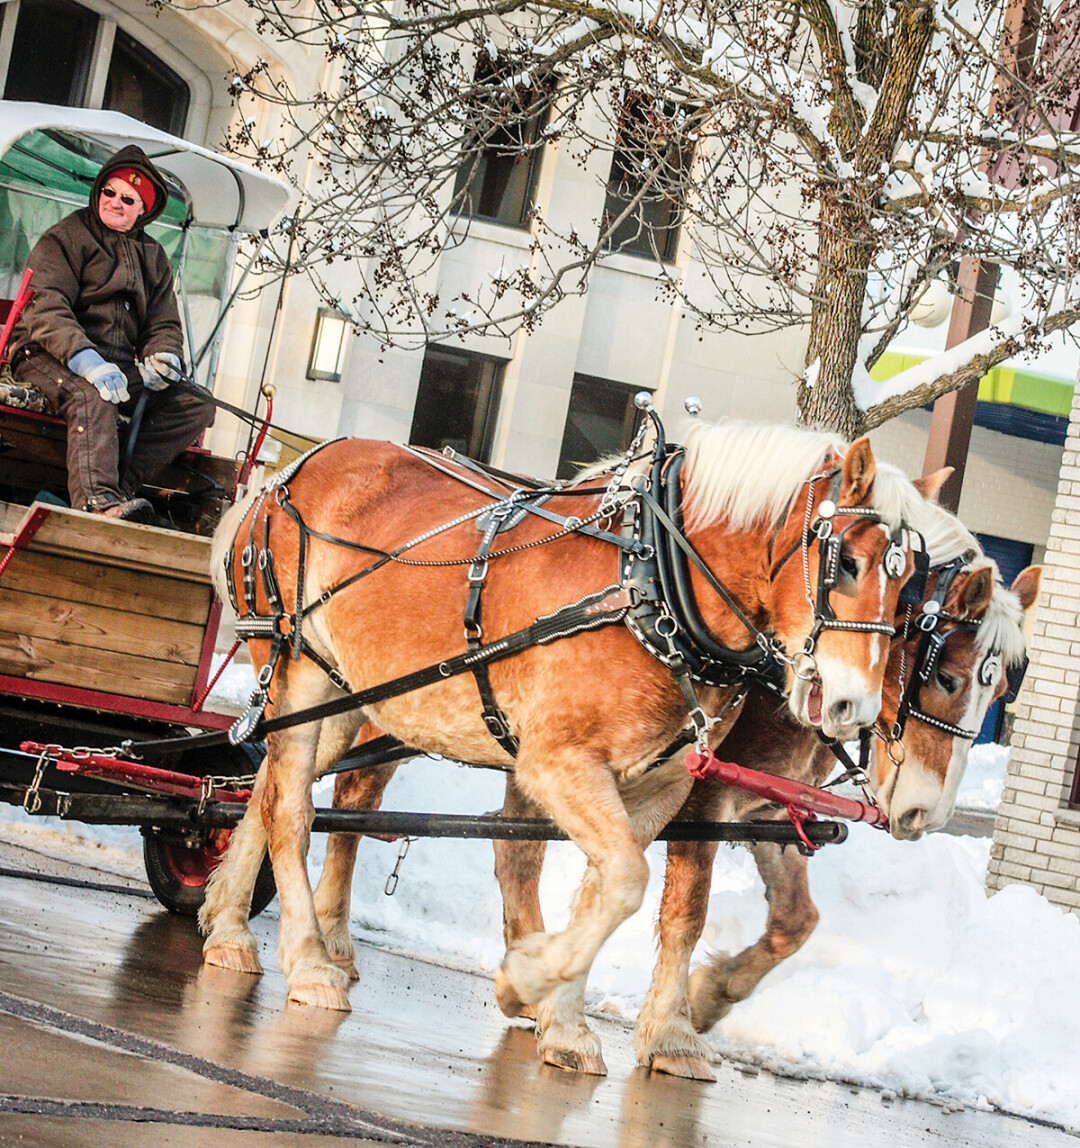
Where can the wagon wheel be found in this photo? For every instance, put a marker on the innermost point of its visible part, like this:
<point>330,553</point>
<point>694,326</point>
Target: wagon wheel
<point>178,871</point>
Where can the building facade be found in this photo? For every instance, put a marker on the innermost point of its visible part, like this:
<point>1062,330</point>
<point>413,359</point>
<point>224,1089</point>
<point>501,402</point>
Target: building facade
<point>1037,834</point>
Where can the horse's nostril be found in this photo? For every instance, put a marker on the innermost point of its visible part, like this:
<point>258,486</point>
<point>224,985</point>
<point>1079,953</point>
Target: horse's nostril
<point>843,713</point>
<point>911,822</point>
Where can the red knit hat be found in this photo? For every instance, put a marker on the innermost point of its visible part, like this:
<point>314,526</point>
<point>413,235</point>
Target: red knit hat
<point>139,182</point>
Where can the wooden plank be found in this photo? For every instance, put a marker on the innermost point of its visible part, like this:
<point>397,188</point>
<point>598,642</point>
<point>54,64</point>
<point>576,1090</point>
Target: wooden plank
<point>99,627</point>
<point>11,514</point>
<point>73,534</point>
<point>42,660</point>
<point>98,585</point>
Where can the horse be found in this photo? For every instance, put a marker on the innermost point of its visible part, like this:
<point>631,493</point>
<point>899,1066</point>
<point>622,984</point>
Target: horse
<point>978,627</point>
<point>582,720</point>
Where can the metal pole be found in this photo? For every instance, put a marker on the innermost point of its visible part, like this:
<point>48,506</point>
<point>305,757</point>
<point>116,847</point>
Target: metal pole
<point>954,414</point>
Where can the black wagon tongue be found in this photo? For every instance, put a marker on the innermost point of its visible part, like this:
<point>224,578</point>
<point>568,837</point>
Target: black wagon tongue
<point>813,703</point>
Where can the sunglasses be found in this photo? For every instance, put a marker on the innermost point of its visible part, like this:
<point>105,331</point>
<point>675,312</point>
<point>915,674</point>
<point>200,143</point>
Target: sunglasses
<point>126,200</point>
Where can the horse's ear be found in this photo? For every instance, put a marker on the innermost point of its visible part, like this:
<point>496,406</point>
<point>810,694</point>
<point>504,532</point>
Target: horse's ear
<point>929,486</point>
<point>976,588</point>
<point>859,471</point>
<point>1026,586</point>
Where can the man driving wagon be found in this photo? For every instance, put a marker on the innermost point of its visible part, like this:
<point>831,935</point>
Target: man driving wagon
<point>102,328</point>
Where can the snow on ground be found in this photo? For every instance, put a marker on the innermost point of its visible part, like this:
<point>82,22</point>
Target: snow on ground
<point>914,981</point>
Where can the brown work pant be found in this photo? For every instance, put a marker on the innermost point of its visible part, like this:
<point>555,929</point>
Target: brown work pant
<point>171,422</point>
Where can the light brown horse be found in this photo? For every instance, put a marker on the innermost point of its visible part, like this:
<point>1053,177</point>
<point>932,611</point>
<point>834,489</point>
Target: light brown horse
<point>963,683</point>
<point>590,712</point>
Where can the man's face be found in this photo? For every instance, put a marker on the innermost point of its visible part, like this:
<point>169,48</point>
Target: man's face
<point>119,204</point>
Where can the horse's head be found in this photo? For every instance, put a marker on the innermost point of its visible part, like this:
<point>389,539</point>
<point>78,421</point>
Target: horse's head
<point>839,562</point>
<point>951,659</point>
<point>820,561</point>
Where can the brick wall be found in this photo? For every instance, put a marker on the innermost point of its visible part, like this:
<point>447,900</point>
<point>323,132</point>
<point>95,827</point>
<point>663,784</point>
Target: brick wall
<point>1036,835</point>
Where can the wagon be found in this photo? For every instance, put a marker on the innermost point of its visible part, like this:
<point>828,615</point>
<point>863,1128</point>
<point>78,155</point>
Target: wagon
<point>108,628</point>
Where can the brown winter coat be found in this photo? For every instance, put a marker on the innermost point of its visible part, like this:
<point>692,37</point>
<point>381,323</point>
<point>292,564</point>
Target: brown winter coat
<point>95,287</point>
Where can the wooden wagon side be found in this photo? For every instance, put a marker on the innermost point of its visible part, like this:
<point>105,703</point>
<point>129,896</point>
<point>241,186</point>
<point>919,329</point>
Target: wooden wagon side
<point>105,613</point>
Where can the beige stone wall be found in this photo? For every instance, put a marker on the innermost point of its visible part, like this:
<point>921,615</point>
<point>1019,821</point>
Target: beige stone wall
<point>1036,835</point>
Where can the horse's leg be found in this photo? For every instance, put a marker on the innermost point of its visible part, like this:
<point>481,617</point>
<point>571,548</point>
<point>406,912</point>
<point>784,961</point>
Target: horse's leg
<point>293,756</point>
<point>564,1039</point>
<point>358,789</point>
<point>580,793</point>
<point>223,916</point>
<point>716,986</point>
<point>666,1041</point>
<point>517,869</point>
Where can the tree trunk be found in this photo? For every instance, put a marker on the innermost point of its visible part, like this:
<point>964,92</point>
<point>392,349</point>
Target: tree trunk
<point>835,319</point>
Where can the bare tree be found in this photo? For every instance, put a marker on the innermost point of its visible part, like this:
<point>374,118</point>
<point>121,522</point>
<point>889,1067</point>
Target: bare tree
<point>827,161</point>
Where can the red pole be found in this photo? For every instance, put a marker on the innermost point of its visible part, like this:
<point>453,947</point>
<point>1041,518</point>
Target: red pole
<point>804,798</point>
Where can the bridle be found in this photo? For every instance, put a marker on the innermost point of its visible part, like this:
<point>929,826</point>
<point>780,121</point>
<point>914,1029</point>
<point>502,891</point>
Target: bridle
<point>830,548</point>
<point>934,625</point>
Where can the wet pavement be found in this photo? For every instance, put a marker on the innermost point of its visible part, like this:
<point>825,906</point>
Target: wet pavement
<point>112,1032</point>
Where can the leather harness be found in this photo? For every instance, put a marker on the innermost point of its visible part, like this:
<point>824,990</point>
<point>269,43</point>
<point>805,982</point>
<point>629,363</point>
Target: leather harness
<point>654,596</point>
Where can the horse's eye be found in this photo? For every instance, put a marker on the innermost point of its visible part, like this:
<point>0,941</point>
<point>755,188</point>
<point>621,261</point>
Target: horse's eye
<point>848,566</point>
<point>948,682</point>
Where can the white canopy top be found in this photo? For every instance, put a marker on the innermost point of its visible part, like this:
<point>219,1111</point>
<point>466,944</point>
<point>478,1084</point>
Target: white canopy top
<point>223,192</point>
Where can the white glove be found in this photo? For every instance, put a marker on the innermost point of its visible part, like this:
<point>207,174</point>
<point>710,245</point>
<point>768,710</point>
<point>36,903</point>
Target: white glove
<point>159,370</point>
<point>107,377</point>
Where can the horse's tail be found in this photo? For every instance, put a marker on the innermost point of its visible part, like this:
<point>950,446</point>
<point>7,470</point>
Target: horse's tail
<point>224,539</point>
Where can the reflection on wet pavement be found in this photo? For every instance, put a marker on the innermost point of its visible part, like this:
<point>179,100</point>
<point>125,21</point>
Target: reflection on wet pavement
<point>114,1032</point>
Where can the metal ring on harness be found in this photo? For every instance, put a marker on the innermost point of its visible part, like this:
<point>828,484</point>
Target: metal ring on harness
<point>665,632</point>
<point>811,672</point>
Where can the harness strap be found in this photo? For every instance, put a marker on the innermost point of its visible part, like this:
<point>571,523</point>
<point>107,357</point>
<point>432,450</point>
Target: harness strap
<point>493,716</point>
<point>602,608</point>
<point>531,505</point>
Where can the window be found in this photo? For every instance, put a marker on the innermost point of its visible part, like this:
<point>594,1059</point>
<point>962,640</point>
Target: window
<point>141,86</point>
<point>457,403</point>
<point>648,144</point>
<point>50,54</point>
<point>497,176</point>
<point>601,420</point>
<point>63,53</point>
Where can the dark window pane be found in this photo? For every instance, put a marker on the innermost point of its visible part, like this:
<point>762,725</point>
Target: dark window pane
<point>647,143</point>
<point>498,174</point>
<point>601,420</point>
<point>457,403</point>
<point>50,55</point>
<point>141,86</point>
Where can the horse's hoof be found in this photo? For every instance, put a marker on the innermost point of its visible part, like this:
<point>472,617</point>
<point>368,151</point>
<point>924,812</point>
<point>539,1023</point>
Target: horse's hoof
<point>510,1004</point>
<point>233,957</point>
<point>571,1060</point>
<point>320,995</point>
<point>348,967</point>
<point>688,1067</point>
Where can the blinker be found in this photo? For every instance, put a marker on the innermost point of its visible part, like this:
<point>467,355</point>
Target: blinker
<point>1014,675</point>
<point>914,589</point>
<point>831,559</point>
<point>935,642</point>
